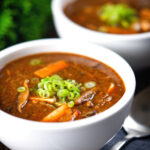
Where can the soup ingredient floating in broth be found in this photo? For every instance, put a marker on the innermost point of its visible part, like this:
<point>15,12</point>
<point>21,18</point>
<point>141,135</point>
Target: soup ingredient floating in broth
<point>23,95</point>
<point>51,69</point>
<point>65,91</point>
<point>57,113</point>
<point>117,15</point>
<point>35,62</point>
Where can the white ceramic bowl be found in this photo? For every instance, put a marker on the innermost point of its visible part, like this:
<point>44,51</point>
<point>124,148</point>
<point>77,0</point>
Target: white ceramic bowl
<point>85,134</point>
<point>134,48</point>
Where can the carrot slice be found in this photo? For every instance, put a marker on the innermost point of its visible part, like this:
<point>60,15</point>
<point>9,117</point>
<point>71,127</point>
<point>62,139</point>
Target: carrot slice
<point>51,69</point>
<point>56,114</point>
<point>48,100</point>
<point>67,116</point>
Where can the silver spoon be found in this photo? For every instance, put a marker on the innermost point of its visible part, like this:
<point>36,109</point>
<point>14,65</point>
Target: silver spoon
<point>137,124</point>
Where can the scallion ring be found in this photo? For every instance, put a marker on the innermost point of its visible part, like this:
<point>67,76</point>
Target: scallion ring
<point>90,84</point>
<point>21,89</point>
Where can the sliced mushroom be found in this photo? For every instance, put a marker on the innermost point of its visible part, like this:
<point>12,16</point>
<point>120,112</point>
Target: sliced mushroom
<point>108,99</point>
<point>75,114</point>
<point>89,104</point>
<point>23,97</point>
<point>90,113</point>
<point>86,96</point>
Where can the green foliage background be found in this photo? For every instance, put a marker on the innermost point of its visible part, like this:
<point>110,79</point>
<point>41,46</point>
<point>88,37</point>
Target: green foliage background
<point>23,20</point>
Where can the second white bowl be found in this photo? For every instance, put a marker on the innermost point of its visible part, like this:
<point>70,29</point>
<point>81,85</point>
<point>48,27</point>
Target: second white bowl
<point>134,48</point>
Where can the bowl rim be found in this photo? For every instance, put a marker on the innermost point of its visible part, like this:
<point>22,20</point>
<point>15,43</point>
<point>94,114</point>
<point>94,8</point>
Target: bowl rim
<point>125,99</point>
<point>57,10</point>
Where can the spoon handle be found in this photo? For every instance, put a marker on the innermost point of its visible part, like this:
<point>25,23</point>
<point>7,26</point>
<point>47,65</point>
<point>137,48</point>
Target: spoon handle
<point>119,145</point>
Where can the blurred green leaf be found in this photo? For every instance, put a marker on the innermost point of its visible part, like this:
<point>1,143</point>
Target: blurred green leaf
<point>23,20</point>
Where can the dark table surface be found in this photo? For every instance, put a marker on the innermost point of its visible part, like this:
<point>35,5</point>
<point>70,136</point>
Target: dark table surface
<point>142,81</point>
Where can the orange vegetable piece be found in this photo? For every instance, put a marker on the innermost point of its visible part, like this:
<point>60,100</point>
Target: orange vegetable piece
<point>67,116</point>
<point>48,100</point>
<point>51,69</point>
<point>56,114</point>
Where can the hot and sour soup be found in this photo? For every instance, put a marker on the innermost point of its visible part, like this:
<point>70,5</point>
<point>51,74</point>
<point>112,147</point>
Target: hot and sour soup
<point>58,87</point>
<point>110,16</point>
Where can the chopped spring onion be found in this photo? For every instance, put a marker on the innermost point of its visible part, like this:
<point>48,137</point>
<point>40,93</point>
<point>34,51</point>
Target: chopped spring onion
<point>90,84</point>
<point>64,90</point>
<point>117,15</point>
<point>21,89</point>
<point>44,93</point>
<point>35,62</point>
<point>71,104</point>
<point>62,93</point>
<point>58,104</point>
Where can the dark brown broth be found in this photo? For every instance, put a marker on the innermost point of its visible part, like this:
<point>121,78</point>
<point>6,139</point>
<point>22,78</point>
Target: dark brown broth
<point>81,69</point>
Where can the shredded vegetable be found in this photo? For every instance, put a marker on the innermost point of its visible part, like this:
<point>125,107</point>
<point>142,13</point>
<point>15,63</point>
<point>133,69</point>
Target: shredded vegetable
<point>65,90</point>
<point>35,62</point>
<point>117,15</point>
<point>61,90</point>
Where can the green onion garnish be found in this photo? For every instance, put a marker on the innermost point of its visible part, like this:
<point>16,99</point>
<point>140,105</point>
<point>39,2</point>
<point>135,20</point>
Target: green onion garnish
<point>21,89</point>
<point>90,84</point>
<point>71,104</point>
<point>35,62</point>
<point>117,15</point>
<point>62,93</point>
<point>64,90</point>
